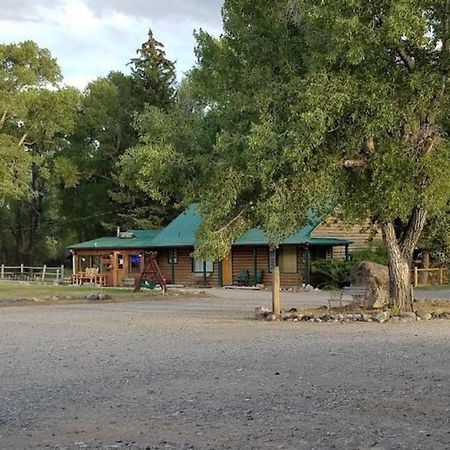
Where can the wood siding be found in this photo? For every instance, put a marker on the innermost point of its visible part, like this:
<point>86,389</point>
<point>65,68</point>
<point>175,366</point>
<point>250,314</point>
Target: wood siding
<point>182,270</point>
<point>358,234</point>
<point>243,260</point>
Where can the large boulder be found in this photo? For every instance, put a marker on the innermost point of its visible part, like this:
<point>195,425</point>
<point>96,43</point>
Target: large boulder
<point>376,278</point>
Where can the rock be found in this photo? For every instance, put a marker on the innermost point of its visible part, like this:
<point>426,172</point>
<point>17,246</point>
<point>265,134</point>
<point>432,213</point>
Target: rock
<point>92,297</point>
<point>271,317</point>
<point>309,288</point>
<point>410,316</point>
<point>423,315</point>
<point>382,316</point>
<point>104,297</point>
<point>340,317</point>
<point>366,317</point>
<point>376,278</point>
<point>327,318</point>
<point>293,310</point>
<point>261,313</point>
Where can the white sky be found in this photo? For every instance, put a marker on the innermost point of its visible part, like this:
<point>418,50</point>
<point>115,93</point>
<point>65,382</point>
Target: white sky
<point>89,38</point>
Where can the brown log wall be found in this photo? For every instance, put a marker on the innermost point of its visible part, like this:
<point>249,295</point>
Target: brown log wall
<point>183,269</point>
<point>358,234</point>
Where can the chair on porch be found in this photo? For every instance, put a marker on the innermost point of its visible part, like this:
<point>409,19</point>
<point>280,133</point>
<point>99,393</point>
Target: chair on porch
<point>258,277</point>
<point>242,279</point>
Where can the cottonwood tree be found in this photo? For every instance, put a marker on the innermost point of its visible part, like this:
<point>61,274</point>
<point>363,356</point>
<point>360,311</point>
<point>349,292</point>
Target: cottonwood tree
<point>24,67</point>
<point>317,104</point>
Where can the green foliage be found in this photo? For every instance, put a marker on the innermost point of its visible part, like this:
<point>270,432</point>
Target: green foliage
<point>331,273</point>
<point>24,70</point>
<point>320,102</point>
<point>372,254</point>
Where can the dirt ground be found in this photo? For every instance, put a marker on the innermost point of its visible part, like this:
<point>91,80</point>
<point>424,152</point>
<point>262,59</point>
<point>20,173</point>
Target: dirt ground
<point>196,373</point>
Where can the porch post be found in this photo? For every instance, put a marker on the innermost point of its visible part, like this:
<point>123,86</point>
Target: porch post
<point>204,273</point>
<point>307,264</point>
<point>347,254</point>
<point>220,272</point>
<point>255,265</point>
<point>172,254</point>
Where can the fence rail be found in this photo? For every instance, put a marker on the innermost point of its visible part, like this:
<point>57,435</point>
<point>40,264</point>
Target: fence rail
<point>433,276</point>
<point>43,274</point>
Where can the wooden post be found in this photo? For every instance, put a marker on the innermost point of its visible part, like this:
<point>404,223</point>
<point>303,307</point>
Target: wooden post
<point>425,265</point>
<point>44,269</point>
<point>255,265</point>
<point>21,269</point>
<point>441,276</point>
<point>57,276</point>
<point>276,301</point>
<point>220,273</point>
<point>62,273</point>
<point>204,273</point>
<point>416,277</point>
<point>307,264</point>
<point>3,272</point>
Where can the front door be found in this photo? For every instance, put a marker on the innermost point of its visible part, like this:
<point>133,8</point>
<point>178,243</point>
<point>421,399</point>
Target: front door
<point>227,271</point>
<point>119,262</point>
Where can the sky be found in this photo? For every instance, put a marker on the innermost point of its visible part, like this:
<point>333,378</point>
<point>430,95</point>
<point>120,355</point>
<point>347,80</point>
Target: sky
<point>90,38</point>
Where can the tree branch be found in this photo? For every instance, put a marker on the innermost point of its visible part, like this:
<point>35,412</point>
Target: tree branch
<point>3,119</point>
<point>22,139</point>
<point>411,235</point>
<point>407,60</point>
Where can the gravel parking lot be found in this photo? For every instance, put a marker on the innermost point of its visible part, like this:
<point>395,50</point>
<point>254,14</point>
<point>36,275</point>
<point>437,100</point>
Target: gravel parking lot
<point>195,374</point>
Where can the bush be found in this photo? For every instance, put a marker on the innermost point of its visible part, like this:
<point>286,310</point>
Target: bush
<point>335,274</point>
<point>372,254</point>
<point>332,273</point>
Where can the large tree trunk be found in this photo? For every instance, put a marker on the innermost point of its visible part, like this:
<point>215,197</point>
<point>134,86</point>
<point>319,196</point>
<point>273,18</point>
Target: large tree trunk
<point>399,271</point>
<point>400,251</point>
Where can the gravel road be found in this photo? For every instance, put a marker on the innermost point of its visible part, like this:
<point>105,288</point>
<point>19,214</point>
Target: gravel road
<point>174,374</point>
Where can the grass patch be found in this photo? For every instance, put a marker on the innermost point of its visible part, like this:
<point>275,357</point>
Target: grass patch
<point>433,306</point>
<point>14,294</point>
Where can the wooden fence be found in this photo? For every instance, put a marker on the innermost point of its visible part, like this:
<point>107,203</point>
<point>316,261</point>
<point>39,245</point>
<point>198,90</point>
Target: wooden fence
<point>431,276</point>
<point>43,274</point>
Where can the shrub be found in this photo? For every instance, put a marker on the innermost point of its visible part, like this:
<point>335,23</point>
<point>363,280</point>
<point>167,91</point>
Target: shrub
<point>333,273</point>
<point>373,254</point>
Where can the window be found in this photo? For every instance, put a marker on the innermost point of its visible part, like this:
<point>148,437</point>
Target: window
<point>135,263</point>
<point>173,256</point>
<point>318,252</point>
<point>198,266</point>
<point>288,259</point>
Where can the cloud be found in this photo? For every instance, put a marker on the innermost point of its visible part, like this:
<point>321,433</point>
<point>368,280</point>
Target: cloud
<point>200,11</point>
<point>90,38</point>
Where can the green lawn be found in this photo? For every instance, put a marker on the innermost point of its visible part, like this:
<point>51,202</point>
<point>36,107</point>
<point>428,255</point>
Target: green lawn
<point>17,293</point>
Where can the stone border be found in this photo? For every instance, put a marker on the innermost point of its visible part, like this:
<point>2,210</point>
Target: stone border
<point>329,316</point>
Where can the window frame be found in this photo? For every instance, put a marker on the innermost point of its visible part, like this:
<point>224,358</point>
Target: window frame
<point>195,260</point>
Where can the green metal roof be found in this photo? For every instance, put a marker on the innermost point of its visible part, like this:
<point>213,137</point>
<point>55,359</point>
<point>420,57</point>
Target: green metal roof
<point>256,236</point>
<point>181,231</point>
<point>142,239</point>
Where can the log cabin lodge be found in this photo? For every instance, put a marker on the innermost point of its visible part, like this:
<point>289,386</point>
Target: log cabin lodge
<point>117,261</point>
